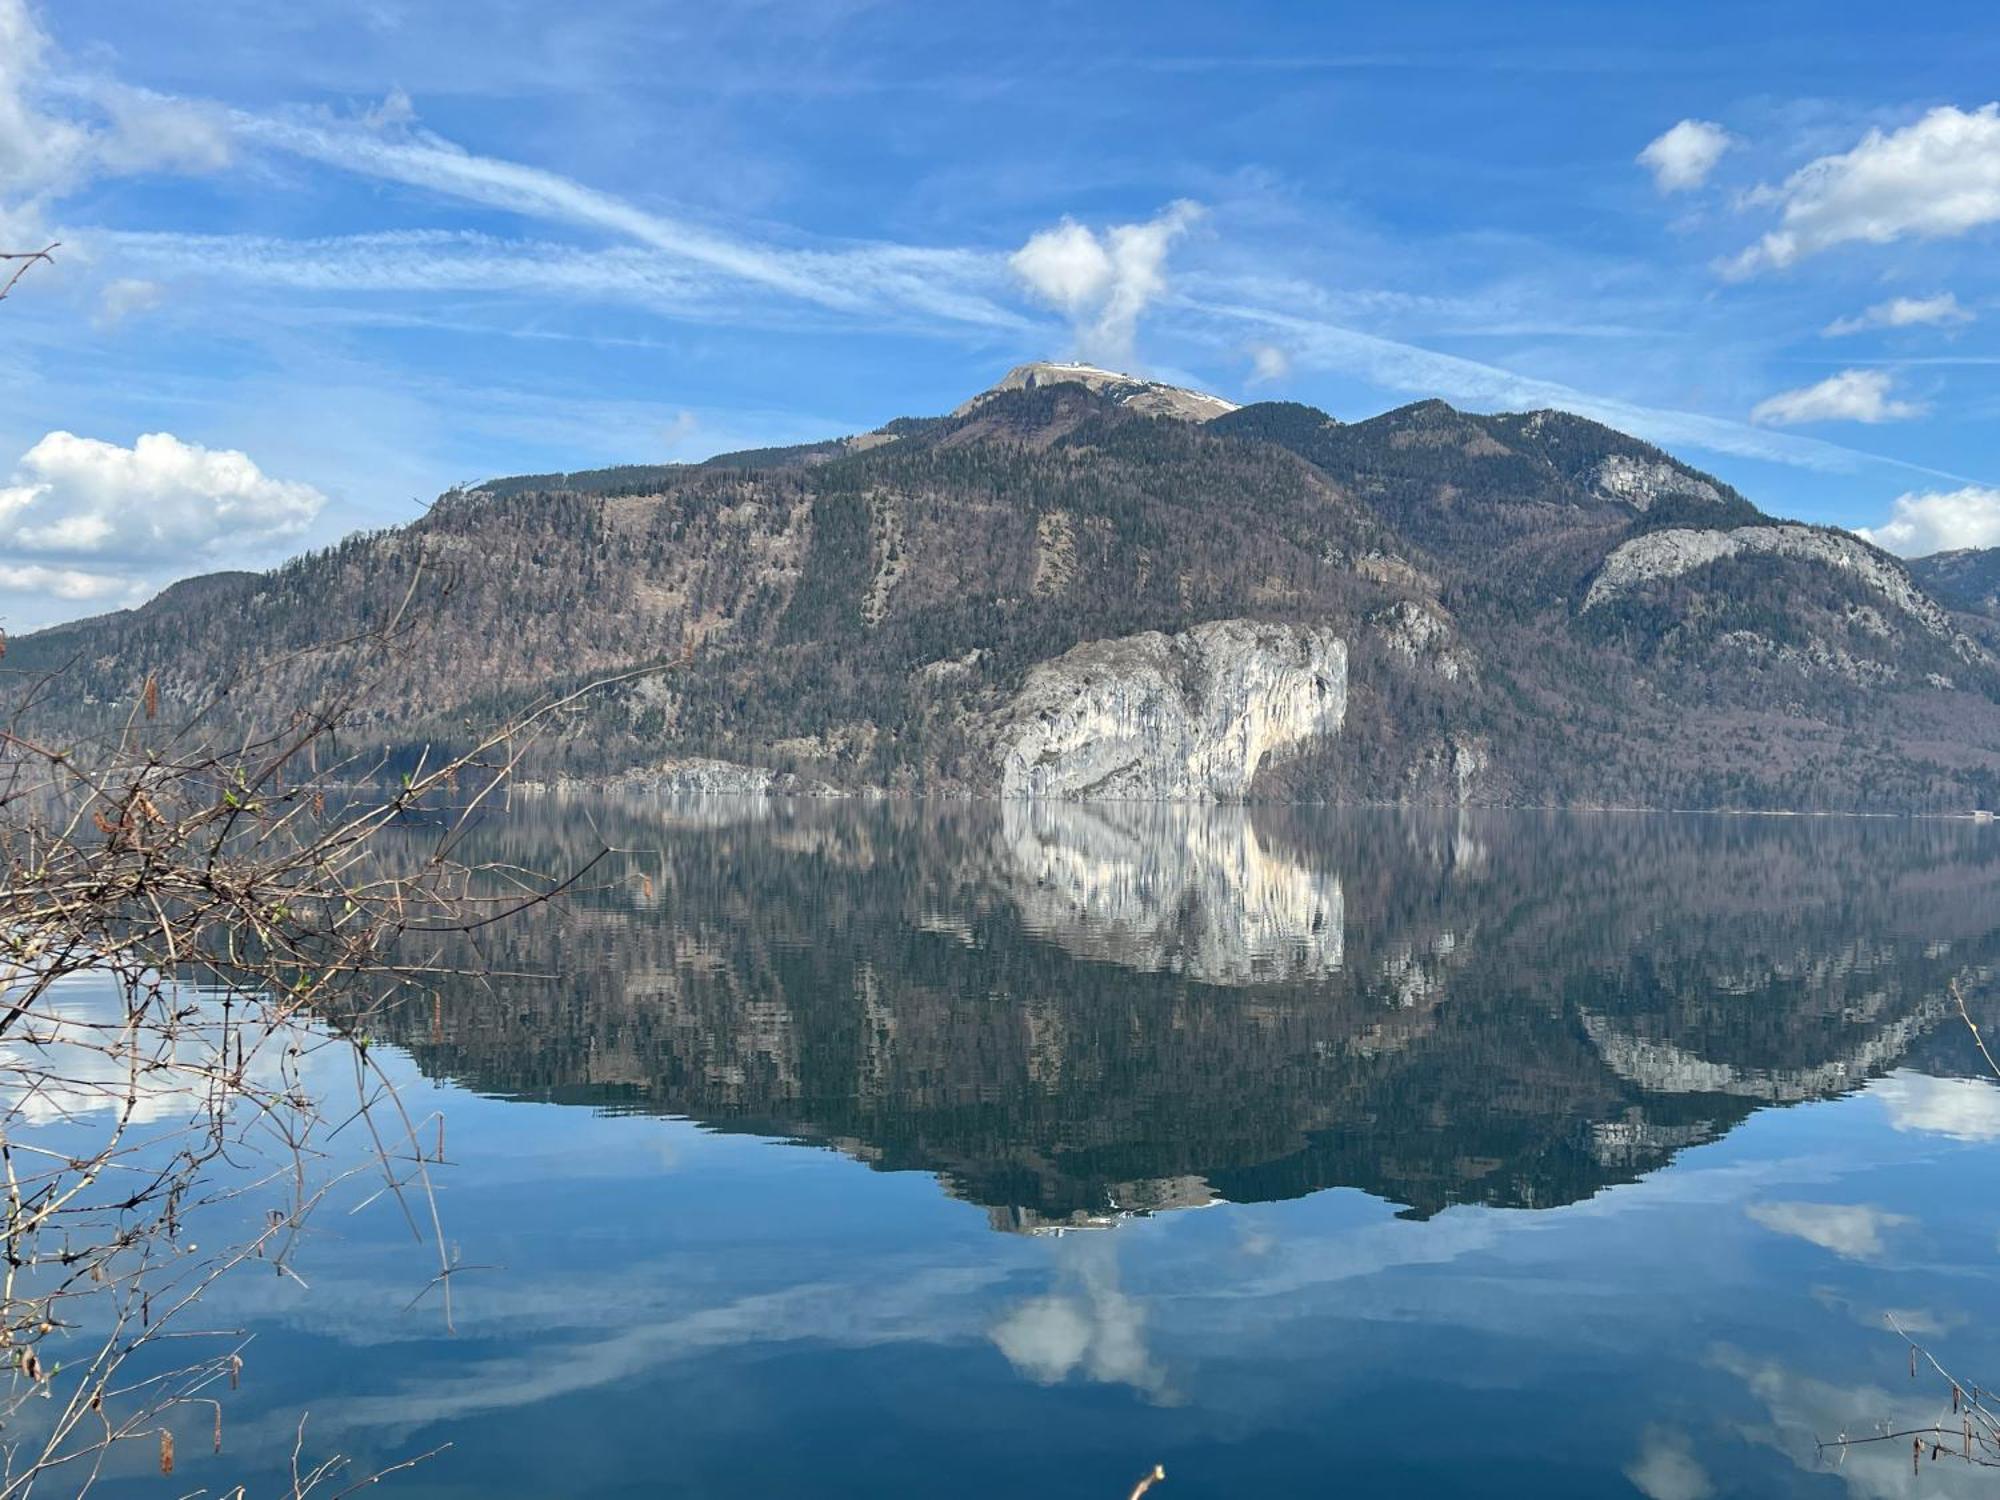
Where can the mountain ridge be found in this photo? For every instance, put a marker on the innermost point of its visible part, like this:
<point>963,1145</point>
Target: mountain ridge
<point>869,612</point>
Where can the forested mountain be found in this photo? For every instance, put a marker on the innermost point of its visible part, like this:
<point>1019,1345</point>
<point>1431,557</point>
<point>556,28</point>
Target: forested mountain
<point>1968,579</point>
<point>1102,586</point>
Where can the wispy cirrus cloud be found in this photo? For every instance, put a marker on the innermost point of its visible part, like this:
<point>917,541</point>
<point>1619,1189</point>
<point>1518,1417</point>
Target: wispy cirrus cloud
<point>57,136</point>
<point>1941,311</point>
<point>953,285</point>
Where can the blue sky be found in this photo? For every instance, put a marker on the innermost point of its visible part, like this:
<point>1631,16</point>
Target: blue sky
<point>330,257</point>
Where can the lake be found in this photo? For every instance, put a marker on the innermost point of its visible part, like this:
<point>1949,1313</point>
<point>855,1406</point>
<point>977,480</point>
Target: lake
<point>955,1149</point>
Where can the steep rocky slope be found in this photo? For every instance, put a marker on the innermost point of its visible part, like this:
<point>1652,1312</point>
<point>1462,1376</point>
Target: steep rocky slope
<point>1102,586</point>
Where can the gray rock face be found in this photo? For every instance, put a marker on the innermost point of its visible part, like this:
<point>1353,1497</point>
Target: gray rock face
<point>1640,482</point>
<point>1188,717</point>
<point>1661,1067</point>
<point>1147,397</point>
<point>695,776</point>
<point>1669,554</point>
<point>1162,889</point>
<point>1424,637</point>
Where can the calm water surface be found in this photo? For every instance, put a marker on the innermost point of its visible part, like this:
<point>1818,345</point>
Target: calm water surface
<point>969,1151</point>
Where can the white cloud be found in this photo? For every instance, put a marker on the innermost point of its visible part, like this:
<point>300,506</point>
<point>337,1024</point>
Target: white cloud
<point>1045,1338</point>
<point>1103,283</point>
<point>1850,1230</point>
<point>1682,157</point>
<point>159,502</point>
<point>69,584</point>
<point>151,132</point>
<point>1934,521</point>
<point>38,152</point>
<point>47,152</point>
<point>110,128</point>
<point>1666,1468</point>
<point>126,297</point>
<point>1965,1109</point>
<point>1941,311</point>
<point>1268,364</point>
<point>870,278</point>
<point>1936,178</point>
<point>395,109</point>
<point>1802,1412</point>
<point>1850,396</point>
<point>1067,267</point>
<point>1095,1330</point>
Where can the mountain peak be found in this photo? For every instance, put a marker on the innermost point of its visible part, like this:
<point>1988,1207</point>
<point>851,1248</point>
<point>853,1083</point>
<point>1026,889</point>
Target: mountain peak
<point>1149,398</point>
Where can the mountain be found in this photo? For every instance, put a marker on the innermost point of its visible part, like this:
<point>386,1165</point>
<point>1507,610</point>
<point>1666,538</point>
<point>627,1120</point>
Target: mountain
<point>1148,398</point>
<point>1967,580</point>
<point>1083,584</point>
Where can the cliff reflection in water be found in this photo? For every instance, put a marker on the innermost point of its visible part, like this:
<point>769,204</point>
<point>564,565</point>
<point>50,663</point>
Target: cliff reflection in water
<point>1070,1013</point>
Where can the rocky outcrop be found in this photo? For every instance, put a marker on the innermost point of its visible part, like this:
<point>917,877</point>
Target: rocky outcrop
<point>1640,482</point>
<point>1189,891</point>
<point>1424,637</point>
<point>1669,554</point>
<point>696,776</point>
<point>1447,769</point>
<point>1147,397</point>
<point>1188,717</point>
<point>1661,1067</point>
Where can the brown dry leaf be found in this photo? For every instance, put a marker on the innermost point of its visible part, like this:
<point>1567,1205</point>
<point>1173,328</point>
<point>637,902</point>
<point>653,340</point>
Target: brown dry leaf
<point>166,1451</point>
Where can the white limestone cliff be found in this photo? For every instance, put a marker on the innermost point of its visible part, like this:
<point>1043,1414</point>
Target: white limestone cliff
<point>1188,717</point>
<point>1184,890</point>
<point>1671,553</point>
<point>1641,482</point>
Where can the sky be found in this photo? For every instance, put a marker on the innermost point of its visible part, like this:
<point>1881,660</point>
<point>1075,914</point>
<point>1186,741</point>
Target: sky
<point>321,261</point>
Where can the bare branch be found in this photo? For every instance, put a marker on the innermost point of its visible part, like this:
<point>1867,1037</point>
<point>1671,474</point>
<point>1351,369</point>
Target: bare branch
<point>24,260</point>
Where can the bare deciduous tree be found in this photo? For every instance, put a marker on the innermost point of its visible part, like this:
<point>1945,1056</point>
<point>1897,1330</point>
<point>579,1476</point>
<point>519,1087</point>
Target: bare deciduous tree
<point>194,933</point>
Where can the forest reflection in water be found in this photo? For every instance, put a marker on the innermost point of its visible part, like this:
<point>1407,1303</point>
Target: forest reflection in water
<point>1075,1012</point>
<point>1538,1156</point>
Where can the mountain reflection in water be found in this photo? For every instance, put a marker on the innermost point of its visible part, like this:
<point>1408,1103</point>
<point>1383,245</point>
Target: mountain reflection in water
<point>1071,1014</point>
